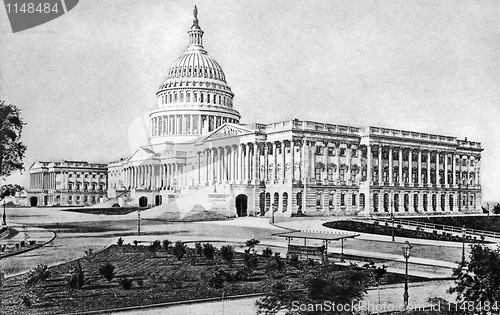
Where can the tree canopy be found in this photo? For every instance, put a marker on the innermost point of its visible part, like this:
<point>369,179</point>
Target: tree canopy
<point>11,148</point>
<point>477,281</point>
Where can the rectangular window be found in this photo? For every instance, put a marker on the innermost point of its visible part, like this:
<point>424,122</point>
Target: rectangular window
<point>330,174</point>
<point>342,200</point>
<point>317,173</point>
<point>330,200</point>
<point>342,151</point>
<point>354,199</point>
<point>319,150</point>
<point>354,153</point>
<point>318,199</point>
<point>331,151</point>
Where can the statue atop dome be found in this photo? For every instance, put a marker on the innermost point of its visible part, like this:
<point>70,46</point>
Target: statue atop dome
<point>195,14</point>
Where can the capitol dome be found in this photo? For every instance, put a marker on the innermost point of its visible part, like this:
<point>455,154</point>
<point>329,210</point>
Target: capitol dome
<point>194,99</point>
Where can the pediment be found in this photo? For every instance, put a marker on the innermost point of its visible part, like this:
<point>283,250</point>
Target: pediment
<point>228,131</point>
<point>142,154</point>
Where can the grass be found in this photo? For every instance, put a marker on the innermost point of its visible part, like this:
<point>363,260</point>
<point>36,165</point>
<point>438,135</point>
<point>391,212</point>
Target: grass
<point>487,223</point>
<point>157,277</point>
<point>104,211</point>
<point>386,229</point>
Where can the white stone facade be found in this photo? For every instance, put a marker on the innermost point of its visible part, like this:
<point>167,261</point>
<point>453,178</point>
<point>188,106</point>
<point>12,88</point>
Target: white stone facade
<point>67,183</point>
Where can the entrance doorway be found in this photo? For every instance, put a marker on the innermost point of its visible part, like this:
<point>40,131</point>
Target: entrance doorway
<point>143,202</point>
<point>241,205</point>
<point>157,200</point>
<point>33,201</point>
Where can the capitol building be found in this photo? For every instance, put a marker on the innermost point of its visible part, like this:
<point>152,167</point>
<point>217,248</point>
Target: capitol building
<point>200,157</point>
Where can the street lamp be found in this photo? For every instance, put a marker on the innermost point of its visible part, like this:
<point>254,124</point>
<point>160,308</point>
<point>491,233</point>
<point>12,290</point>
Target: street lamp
<point>464,233</point>
<point>406,252</point>
<point>139,222</point>
<point>392,219</point>
<point>4,217</point>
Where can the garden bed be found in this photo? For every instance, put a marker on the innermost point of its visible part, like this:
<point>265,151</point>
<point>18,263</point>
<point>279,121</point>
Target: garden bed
<point>105,211</point>
<point>157,277</point>
<point>486,223</point>
<point>385,228</point>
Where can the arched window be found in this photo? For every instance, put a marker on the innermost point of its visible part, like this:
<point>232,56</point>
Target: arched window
<point>285,202</point>
<point>208,98</point>
<point>276,201</point>
<point>396,203</point>
<point>268,201</point>
<point>170,97</point>
<point>215,99</point>
<point>182,97</point>
<point>330,199</point>
<point>362,201</point>
<point>406,202</point>
<point>354,201</point>
<point>175,97</point>
<point>220,100</point>
<point>415,202</point>
<point>386,202</point>
<point>451,202</point>
<point>195,97</point>
<point>188,97</point>
<point>443,201</point>
<point>375,202</point>
<point>434,202</point>
<point>318,198</point>
<point>425,202</point>
<point>201,97</point>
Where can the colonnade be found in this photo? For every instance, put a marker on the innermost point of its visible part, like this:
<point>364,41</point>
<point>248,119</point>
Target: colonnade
<point>195,97</point>
<point>423,201</point>
<point>155,176</point>
<point>185,124</point>
<point>43,180</point>
<point>428,167</point>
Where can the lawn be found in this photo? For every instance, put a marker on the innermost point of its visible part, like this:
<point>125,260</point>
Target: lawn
<point>386,229</point>
<point>487,223</point>
<point>156,277</point>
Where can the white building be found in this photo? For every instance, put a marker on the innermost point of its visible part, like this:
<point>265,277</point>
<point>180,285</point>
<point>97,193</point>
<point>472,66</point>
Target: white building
<point>201,157</point>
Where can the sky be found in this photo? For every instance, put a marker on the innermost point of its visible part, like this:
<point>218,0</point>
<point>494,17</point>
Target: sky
<point>428,66</point>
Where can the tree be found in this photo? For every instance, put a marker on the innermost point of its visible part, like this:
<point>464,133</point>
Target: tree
<point>179,250</point>
<point>107,271</point>
<point>496,209</point>
<point>319,285</point>
<point>477,281</point>
<point>227,253</point>
<point>11,148</point>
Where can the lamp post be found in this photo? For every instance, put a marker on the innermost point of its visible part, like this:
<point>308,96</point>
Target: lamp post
<point>406,252</point>
<point>139,222</point>
<point>464,233</point>
<point>392,219</point>
<point>4,217</point>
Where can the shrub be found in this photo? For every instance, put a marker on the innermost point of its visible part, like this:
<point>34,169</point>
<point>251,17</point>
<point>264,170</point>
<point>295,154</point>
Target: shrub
<point>218,279</point>
<point>199,248</point>
<point>89,254</point>
<point>252,243</point>
<point>208,251</point>
<point>39,273</point>
<point>27,301</point>
<point>227,253</point>
<point>179,250</point>
<point>126,283</point>
<point>267,252</point>
<point>166,245</point>
<point>294,261</point>
<point>2,278</point>
<point>107,271</point>
<point>250,260</point>
<point>76,279</point>
<point>242,274</point>
<point>154,246</point>
<point>120,241</point>
<point>136,242</point>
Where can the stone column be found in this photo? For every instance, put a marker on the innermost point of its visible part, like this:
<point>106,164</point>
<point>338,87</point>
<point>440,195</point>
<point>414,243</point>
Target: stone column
<point>266,161</point>
<point>400,179</point>
<point>380,165</point>
<point>292,162</point>
<point>428,169</point>
<point>256,163</point>
<point>391,181</point>
<point>274,160</point>
<point>246,164</point>
<point>240,159</point>
<point>303,162</point>
<point>419,175</point>
<point>438,155</point>
<point>283,162</point>
<point>454,172</point>
<point>369,164</point>
<point>337,163</point>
